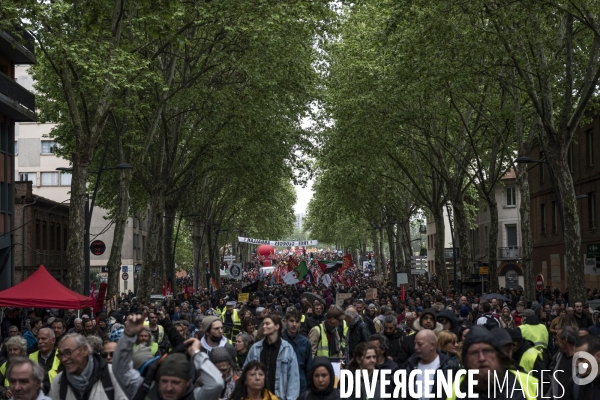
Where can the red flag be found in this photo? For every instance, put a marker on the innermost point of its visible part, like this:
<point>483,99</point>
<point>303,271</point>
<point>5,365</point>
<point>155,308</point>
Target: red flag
<point>402,294</point>
<point>101,296</point>
<point>164,288</point>
<point>347,261</point>
<point>292,264</point>
<point>322,266</point>
<point>93,293</point>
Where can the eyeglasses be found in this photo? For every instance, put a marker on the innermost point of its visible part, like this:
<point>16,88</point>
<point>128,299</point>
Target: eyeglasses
<point>66,353</point>
<point>107,354</point>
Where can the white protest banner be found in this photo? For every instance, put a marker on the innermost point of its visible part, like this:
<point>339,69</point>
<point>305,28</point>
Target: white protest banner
<point>280,243</point>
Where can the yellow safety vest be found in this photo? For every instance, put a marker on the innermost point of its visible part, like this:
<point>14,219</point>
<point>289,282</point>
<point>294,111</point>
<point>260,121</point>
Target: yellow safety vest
<point>153,348</point>
<point>345,334</point>
<point>3,372</point>
<point>302,318</point>
<point>528,386</point>
<point>528,358</point>
<point>53,371</point>
<point>323,346</point>
<point>538,334</point>
<point>161,331</point>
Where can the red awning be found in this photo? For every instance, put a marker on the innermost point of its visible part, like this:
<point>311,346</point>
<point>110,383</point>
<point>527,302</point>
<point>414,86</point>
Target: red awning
<point>41,290</point>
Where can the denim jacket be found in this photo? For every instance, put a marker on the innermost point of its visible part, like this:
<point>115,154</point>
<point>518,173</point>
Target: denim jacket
<point>287,384</point>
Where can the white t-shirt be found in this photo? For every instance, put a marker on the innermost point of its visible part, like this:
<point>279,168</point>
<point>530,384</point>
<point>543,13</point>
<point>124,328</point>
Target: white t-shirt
<point>420,378</point>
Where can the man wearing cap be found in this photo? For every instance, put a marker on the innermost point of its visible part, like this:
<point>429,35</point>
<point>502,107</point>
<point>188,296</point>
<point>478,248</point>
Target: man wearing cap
<point>426,321</point>
<point>324,338</point>
<point>231,319</point>
<point>175,379</point>
<point>213,336</point>
<point>484,353</point>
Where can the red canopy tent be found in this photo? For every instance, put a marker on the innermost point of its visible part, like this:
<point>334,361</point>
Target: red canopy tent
<point>41,290</point>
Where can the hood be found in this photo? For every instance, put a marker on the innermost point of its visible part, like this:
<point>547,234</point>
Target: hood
<point>449,315</point>
<point>438,327</point>
<point>321,362</point>
<point>479,334</point>
<point>537,308</point>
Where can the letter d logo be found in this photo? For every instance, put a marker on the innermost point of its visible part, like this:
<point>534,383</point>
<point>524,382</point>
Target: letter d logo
<point>585,368</point>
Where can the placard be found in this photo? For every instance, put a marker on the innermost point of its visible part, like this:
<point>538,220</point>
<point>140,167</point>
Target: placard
<point>401,278</point>
<point>243,297</point>
<point>371,294</point>
<point>340,297</point>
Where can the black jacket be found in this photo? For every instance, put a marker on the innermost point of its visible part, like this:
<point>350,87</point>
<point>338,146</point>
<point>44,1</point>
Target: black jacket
<point>394,349</point>
<point>357,333</point>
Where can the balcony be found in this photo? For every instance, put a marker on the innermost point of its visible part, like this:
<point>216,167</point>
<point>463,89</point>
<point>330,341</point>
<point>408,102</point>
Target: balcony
<point>508,253</point>
<point>16,102</point>
<point>19,50</point>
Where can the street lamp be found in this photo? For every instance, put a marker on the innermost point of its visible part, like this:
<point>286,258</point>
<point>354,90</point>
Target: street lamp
<point>89,208</point>
<point>529,160</point>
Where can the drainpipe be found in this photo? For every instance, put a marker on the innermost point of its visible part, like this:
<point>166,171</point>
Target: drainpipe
<point>23,238</point>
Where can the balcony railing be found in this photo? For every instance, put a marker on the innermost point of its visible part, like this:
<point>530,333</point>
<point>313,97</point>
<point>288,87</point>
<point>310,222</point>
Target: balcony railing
<point>16,92</point>
<point>508,253</point>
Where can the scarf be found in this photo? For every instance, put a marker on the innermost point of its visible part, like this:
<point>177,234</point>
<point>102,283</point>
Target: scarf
<point>333,340</point>
<point>80,382</point>
<point>208,348</point>
<point>229,385</point>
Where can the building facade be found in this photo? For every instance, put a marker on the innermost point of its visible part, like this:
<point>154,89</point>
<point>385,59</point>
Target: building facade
<point>583,158</point>
<point>16,105</point>
<point>36,162</point>
<point>508,246</point>
<point>299,224</point>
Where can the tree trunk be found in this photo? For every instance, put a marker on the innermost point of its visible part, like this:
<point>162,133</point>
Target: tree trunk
<point>381,251</point>
<point>440,241</point>
<point>168,243</point>
<point>376,255</point>
<point>75,245</point>
<point>197,244</point>
<point>152,255</point>
<point>407,248</point>
<point>393,256</point>
<point>526,238</point>
<point>121,215</point>
<point>572,240</point>
<point>461,234</point>
<point>493,244</point>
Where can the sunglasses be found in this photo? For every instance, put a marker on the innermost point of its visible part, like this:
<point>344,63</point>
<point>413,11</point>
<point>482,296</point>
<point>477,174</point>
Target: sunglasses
<point>107,354</point>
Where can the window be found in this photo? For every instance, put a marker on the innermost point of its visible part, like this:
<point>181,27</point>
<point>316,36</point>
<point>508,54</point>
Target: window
<point>49,178</point>
<point>48,146</point>
<point>543,218</point>
<point>16,147</point>
<point>65,179</point>
<point>592,210</point>
<point>590,148</point>
<point>511,236</point>
<point>570,157</point>
<point>554,219</point>
<point>511,196</point>
<point>28,176</point>
<point>542,169</point>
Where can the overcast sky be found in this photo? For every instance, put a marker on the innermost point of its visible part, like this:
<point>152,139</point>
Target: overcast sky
<point>303,196</point>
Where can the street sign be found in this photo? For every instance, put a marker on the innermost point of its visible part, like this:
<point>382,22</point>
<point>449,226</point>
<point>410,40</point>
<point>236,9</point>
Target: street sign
<point>124,268</point>
<point>592,250</point>
<point>483,270</point>
<point>97,247</point>
<point>539,282</point>
<point>125,276</point>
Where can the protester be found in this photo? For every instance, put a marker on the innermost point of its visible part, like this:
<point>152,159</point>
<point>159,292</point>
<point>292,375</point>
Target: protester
<point>301,345</point>
<point>252,383</point>
<point>174,379</point>
<point>279,359</point>
<point>243,342</point>
<point>365,360</point>
<point>321,381</point>
<point>25,380</point>
<point>85,374</point>
<point>221,358</point>
<point>324,338</point>
<point>46,357</point>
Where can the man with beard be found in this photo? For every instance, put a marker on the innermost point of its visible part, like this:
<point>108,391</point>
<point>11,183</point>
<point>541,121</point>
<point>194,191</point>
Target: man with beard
<point>582,318</point>
<point>213,336</point>
<point>394,337</point>
<point>427,321</point>
<point>315,319</point>
<point>357,330</point>
<point>482,352</point>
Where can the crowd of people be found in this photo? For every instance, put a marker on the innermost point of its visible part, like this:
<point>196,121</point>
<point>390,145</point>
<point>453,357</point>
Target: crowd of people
<point>289,342</point>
